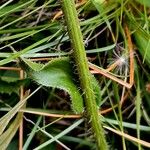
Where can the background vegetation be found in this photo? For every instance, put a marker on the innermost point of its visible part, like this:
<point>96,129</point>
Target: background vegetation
<point>39,82</point>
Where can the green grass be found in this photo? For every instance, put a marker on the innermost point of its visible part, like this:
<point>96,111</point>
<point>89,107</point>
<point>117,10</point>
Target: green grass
<point>27,31</point>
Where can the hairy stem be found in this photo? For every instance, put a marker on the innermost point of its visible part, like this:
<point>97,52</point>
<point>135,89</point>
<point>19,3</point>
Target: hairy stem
<point>76,38</point>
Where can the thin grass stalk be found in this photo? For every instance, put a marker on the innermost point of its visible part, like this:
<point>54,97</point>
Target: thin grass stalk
<point>21,124</point>
<point>80,58</point>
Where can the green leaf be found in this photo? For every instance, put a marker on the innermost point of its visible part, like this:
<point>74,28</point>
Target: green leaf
<point>27,49</point>
<point>7,117</point>
<point>7,136</point>
<point>144,2</point>
<point>58,74</point>
<point>103,49</point>
<point>143,44</point>
<point>10,87</point>
<point>13,8</point>
<point>9,75</point>
<point>15,36</point>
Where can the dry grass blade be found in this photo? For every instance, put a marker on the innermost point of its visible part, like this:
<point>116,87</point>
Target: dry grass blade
<point>129,137</point>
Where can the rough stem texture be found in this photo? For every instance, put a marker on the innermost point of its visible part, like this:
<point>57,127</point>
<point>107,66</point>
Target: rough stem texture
<point>76,38</point>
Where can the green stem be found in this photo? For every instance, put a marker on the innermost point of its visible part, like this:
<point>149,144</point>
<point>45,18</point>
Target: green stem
<point>76,38</point>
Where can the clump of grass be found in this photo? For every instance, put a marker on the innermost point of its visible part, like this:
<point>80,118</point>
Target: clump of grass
<point>35,31</point>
